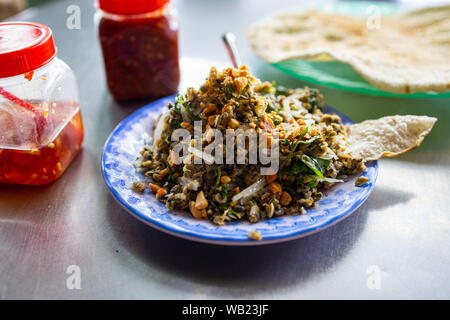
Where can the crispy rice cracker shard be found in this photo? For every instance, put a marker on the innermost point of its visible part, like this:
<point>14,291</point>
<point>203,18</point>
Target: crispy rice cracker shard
<point>408,53</point>
<point>387,136</point>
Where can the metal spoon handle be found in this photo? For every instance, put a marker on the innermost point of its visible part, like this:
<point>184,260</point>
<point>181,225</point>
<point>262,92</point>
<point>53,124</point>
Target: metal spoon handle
<point>230,43</point>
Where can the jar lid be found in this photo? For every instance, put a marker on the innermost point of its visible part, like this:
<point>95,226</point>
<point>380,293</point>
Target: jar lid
<point>24,47</point>
<point>131,7</point>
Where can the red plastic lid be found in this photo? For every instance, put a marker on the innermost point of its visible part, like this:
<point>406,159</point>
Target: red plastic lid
<point>24,47</point>
<point>131,7</point>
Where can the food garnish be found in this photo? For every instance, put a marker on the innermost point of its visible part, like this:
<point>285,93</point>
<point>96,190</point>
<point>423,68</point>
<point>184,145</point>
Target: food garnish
<point>361,181</point>
<point>254,235</point>
<point>387,136</point>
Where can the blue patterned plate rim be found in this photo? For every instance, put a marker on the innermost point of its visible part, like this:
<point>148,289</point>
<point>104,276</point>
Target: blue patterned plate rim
<point>338,202</point>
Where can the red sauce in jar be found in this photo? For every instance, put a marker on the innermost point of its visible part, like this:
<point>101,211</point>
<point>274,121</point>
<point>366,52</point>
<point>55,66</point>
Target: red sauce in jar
<point>43,164</point>
<point>140,55</point>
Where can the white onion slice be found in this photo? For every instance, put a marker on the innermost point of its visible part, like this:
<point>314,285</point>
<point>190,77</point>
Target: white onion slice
<point>332,180</point>
<point>200,154</point>
<point>160,126</point>
<point>250,190</point>
<point>190,184</point>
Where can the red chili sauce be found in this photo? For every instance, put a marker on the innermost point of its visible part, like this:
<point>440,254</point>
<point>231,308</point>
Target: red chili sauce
<point>44,164</point>
<point>141,56</point>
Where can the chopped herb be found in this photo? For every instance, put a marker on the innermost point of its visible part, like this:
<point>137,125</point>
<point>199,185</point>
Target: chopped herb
<point>281,91</point>
<point>271,106</point>
<point>171,203</point>
<point>294,146</point>
<point>317,165</point>
<point>192,116</point>
<point>270,89</point>
<point>229,91</point>
<point>165,137</point>
<point>177,108</point>
<point>314,182</point>
<point>176,123</point>
<point>235,213</point>
<point>298,168</point>
<point>276,122</point>
<point>224,191</point>
<point>285,143</point>
<point>179,102</point>
<point>172,178</point>
<point>292,191</point>
<point>180,99</point>
<point>219,175</point>
<point>223,208</point>
<point>304,165</point>
<point>312,139</point>
<point>256,115</point>
<point>346,171</point>
<point>314,101</point>
<point>217,184</point>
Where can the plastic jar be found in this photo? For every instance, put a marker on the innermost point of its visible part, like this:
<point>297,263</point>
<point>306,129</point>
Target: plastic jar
<point>41,129</point>
<point>139,40</point>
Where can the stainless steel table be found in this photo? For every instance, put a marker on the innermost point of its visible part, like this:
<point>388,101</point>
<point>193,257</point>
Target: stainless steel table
<point>395,246</point>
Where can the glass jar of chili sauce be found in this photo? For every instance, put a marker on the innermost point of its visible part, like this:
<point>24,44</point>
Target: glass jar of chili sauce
<point>139,40</point>
<point>41,129</point>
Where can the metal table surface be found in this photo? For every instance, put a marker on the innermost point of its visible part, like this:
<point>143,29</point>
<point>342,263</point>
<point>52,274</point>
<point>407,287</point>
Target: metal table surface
<point>395,246</point>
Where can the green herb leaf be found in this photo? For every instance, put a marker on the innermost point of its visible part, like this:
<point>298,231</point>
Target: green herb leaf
<point>270,89</point>
<point>180,99</point>
<point>298,168</point>
<point>280,90</point>
<point>229,91</point>
<point>303,165</point>
<point>219,174</point>
<point>176,123</point>
<point>216,185</point>
<point>224,191</point>
<point>171,178</point>
<point>171,203</point>
<point>192,116</point>
<point>317,165</point>
<point>237,215</point>
<point>310,140</point>
<point>294,146</point>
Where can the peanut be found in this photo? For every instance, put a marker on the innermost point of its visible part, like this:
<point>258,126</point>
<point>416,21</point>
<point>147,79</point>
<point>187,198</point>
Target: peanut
<point>161,192</point>
<point>233,124</point>
<point>240,84</point>
<point>285,198</point>
<point>154,187</point>
<point>196,213</point>
<point>210,108</point>
<point>201,202</point>
<point>275,187</point>
<point>225,179</point>
<point>271,178</point>
<point>212,120</point>
<point>187,126</point>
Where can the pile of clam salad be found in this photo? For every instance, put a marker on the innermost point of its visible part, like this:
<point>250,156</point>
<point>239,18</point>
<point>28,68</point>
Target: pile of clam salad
<point>312,150</point>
